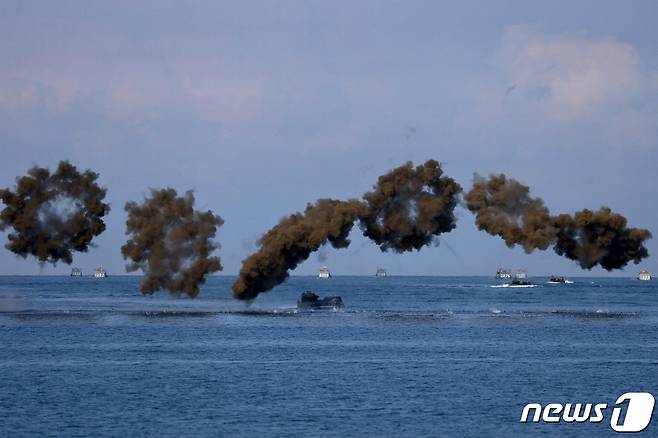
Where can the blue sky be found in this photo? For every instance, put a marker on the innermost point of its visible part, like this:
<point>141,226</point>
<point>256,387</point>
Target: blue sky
<point>261,107</point>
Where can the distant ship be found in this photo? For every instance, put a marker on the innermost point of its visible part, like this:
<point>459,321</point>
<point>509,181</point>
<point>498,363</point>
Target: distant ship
<point>515,284</point>
<point>381,272</point>
<point>100,273</point>
<point>519,280</point>
<point>76,272</point>
<point>324,272</point>
<point>644,275</point>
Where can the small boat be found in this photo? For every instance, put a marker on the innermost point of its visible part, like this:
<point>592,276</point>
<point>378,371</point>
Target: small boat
<point>644,275</point>
<point>381,272</point>
<point>100,273</point>
<point>558,280</point>
<point>516,283</point>
<point>521,283</point>
<point>309,300</point>
<point>324,272</point>
<point>76,272</point>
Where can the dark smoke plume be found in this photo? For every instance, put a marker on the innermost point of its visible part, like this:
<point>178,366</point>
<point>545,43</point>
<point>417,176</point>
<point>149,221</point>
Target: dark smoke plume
<point>504,207</point>
<point>409,207</point>
<point>53,215</point>
<point>292,241</point>
<point>171,242</point>
<point>599,237</point>
<point>406,210</point>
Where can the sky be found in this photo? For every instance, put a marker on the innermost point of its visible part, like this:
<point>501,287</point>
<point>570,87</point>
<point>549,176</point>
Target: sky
<point>263,106</point>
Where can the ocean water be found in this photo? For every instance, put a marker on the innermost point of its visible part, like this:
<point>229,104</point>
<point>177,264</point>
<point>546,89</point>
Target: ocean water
<point>408,356</point>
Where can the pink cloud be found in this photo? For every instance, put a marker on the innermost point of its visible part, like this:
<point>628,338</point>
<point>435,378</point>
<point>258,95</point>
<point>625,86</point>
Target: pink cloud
<point>568,83</point>
<point>571,74</point>
<point>125,86</point>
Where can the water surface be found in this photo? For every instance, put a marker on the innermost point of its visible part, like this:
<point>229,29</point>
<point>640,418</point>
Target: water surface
<point>408,356</point>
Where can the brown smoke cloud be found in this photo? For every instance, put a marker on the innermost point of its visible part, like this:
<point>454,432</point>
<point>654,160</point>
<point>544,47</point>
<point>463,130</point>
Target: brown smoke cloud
<point>53,215</point>
<point>503,207</point>
<point>171,242</point>
<point>406,210</point>
<point>292,241</point>
<point>410,206</point>
<point>599,237</point>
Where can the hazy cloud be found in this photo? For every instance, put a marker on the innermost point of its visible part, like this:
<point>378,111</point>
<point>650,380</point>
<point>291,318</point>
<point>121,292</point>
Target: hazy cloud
<point>571,74</point>
<point>566,80</point>
<point>122,80</point>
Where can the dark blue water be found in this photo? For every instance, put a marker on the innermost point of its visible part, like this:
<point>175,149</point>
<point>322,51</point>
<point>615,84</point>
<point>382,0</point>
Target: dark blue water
<point>408,356</point>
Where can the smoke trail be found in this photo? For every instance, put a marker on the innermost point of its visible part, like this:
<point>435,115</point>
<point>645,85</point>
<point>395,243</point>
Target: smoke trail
<point>504,207</point>
<point>53,215</point>
<point>292,241</point>
<point>406,210</point>
<point>171,242</point>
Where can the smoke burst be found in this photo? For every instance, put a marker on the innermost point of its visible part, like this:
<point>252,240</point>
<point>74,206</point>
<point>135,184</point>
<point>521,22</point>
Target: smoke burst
<point>410,206</point>
<point>599,237</point>
<point>171,242</point>
<point>53,215</point>
<point>503,207</point>
<point>406,210</point>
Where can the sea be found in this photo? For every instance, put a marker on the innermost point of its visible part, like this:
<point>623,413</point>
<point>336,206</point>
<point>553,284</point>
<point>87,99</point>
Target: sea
<point>405,357</point>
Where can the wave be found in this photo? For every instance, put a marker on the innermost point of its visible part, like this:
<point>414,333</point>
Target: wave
<point>411,316</point>
<point>514,286</point>
<point>54,315</point>
<point>597,314</point>
<point>385,315</point>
